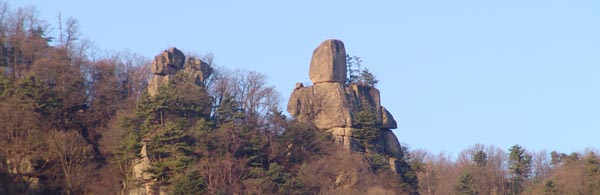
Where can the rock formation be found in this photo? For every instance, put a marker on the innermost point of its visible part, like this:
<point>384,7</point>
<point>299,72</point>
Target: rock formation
<point>168,66</point>
<point>168,63</point>
<point>328,63</point>
<point>332,105</point>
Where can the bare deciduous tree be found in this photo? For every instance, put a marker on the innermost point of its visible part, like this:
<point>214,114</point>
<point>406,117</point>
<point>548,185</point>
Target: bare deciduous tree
<point>73,155</point>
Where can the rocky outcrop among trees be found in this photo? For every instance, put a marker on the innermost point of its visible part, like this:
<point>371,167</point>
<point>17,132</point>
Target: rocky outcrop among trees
<point>176,92</point>
<point>352,113</point>
<point>168,63</point>
<point>72,122</point>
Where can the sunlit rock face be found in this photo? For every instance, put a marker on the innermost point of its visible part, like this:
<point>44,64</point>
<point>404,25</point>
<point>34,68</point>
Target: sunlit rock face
<point>328,63</point>
<point>331,105</point>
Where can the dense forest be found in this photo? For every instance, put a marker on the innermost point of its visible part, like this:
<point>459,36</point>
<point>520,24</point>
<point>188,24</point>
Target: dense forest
<point>73,121</point>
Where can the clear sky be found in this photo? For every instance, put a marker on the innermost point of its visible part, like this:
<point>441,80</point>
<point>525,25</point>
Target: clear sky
<point>453,73</point>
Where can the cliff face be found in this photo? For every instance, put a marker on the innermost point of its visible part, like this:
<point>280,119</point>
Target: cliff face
<point>331,105</point>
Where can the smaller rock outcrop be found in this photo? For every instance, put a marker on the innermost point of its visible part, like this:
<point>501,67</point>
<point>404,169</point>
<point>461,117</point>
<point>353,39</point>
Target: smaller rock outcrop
<point>328,62</point>
<point>171,61</point>
<point>168,62</point>
<point>198,70</point>
<point>170,65</point>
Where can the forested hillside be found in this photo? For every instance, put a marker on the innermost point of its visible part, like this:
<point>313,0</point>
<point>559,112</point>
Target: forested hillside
<point>75,121</point>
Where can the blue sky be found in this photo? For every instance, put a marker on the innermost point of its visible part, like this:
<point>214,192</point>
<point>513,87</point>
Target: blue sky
<point>453,73</point>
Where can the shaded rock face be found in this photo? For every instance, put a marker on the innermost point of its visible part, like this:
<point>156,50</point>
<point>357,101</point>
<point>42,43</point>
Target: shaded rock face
<point>328,63</point>
<point>331,105</point>
<point>171,61</point>
<point>168,62</point>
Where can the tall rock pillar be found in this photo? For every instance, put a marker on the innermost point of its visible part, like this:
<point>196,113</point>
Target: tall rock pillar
<point>331,104</point>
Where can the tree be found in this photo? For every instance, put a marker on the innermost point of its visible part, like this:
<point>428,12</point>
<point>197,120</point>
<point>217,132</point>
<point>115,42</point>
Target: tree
<point>550,188</point>
<point>541,165</point>
<point>520,166</point>
<point>367,127</point>
<point>171,151</point>
<point>466,185</point>
<point>73,157</point>
<point>247,91</point>
<point>357,74</point>
<point>480,158</point>
<point>353,67</point>
<point>367,78</point>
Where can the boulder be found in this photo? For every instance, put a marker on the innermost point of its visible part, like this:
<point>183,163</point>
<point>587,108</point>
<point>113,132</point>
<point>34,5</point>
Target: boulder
<point>168,62</point>
<point>299,85</point>
<point>328,63</point>
<point>198,70</point>
<point>391,144</point>
<point>172,61</point>
<point>388,121</point>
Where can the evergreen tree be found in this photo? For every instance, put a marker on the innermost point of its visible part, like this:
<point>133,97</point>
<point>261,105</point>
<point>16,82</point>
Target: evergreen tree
<point>353,68</point>
<point>357,74</point>
<point>171,150</point>
<point>367,129</point>
<point>188,183</point>
<point>466,185</point>
<point>519,163</point>
<point>550,188</point>
<point>480,158</point>
<point>367,78</point>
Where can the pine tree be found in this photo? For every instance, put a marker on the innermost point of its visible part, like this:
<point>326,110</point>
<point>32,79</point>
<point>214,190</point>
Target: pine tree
<point>466,185</point>
<point>353,68</point>
<point>519,163</point>
<point>480,158</point>
<point>367,129</point>
<point>550,188</point>
<point>367,78</point>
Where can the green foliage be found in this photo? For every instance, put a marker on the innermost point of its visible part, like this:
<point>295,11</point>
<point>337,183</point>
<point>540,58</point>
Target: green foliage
<point>353,67</point>
<point>408,167</point>
<point>169,123</point>
<point>591,162</point>
<point>358,75</point>
<point>301,142</point>
<point>480,158</point>
<point>550,188</point>
<point>466,185</point>
<point>367,128</point>
<point>188,183</point>
<point>368,78</point>
<point>519,164</point>
<point>127,151</point>
<point>377,162</point>
<point>173,101</point>
<point>228,110</point>
<point>170,151</point>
